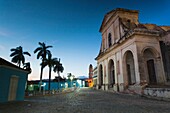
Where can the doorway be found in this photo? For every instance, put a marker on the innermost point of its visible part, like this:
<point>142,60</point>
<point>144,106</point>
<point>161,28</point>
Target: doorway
<point>13,88</point>
<point>151,71</point>
<point>111,72</point>
<point>130,68</point>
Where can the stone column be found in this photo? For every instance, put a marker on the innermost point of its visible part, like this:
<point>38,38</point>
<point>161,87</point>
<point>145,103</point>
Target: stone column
<point>103,86</point>
<point>115,86</point>
<point>120,75</point>
<point>136,63</point>
<point>142,70</point>
<point>106,76</point>
<point>98,82</point>
<point>160,75</point>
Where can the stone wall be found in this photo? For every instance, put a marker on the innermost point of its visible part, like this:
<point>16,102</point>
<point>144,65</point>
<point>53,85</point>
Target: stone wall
<point>158,92</point>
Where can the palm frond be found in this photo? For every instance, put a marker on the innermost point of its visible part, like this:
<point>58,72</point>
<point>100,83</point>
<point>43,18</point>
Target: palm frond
<point>13,54</point>
<point>48,52</point>
<point>37,49</point>
<point>41,44</point>
<point>40,54</point>
<point>45,63</point>
<point>58,67</point>
<point>27,53</point>
<point>15,59</point>
<point>13,49</point>
<point>49,47</point>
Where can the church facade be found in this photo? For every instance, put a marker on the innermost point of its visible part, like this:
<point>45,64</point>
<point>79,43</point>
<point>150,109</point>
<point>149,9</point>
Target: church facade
<point>132,55</point>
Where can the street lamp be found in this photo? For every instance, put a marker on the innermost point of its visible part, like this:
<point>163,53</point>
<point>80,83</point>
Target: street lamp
<point>71,78</point>
<point>43,85</point>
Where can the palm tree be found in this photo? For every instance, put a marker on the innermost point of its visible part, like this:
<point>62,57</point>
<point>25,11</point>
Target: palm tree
<point>42,52</point>
<point>58,68</point>
<point>70,78</point>
<point>27,67</point>
<point>50,62</point>
<point>18,55</point>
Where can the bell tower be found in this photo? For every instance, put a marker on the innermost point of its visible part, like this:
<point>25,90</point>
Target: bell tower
<point>90,71</point>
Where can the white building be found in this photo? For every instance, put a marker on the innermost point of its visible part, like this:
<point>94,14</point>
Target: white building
<point>132,55</point>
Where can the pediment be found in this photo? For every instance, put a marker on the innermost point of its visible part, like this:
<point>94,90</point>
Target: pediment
<point>106,19</point>
<point>122,13</point>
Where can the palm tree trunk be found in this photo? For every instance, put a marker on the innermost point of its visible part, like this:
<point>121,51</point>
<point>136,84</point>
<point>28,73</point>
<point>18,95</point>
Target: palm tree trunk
<point>58,80</point>
<point>49,85</point>
<point>41,73</point>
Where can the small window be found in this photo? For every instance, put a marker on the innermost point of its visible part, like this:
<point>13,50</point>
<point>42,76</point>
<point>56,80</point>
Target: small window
<point>129,23</point>
<point>110,39</point>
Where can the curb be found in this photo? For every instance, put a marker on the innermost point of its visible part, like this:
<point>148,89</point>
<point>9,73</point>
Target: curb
<point>142,95</point>
<point>156,98</point>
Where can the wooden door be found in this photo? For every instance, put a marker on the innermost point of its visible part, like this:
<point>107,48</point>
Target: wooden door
<point>151,71</point>
<point>113,73</point>
<point>129,74</point>
<point>13,88</point>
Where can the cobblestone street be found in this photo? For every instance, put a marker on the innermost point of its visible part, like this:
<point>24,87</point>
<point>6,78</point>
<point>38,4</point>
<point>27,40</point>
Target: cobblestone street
<point>86,100</point>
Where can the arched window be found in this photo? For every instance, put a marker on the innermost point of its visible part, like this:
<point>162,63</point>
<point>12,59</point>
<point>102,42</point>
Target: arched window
<point>110,39</point>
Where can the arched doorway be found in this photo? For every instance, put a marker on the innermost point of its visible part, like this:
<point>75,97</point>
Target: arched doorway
<point>150,65</point>
<point>111,72</point>
<point>100,76</point>
<point>130,68</point>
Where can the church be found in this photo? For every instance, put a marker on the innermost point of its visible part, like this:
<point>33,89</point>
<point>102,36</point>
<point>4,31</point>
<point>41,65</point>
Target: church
<point>132,54</point>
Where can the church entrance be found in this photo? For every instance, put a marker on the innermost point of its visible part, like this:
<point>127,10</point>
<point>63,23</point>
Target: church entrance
<point>150,66</point>
<point>130,68</point>
<point>111,73</point>
<point>100,76</point>
<point>151,71</point>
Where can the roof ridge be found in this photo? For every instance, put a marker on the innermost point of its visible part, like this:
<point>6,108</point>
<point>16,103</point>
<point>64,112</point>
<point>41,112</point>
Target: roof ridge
<point>4,62</point>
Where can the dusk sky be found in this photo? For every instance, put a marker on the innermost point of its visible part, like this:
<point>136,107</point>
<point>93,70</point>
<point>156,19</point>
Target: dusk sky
<point>70,26</point>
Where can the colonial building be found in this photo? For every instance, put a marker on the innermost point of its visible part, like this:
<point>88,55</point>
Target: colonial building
<point>132,55</point>
<point>90,80</point>
<point>90,71</point>
<point>12,82</point>
<point>94,77</point>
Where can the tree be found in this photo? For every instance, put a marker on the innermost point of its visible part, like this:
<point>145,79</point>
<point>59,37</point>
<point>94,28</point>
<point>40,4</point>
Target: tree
<point>58,67</point>
<point>18,55</point>
<point>42,52</point>
<point>50,62</point>
<point>27,67</point>
<point>70,76</point>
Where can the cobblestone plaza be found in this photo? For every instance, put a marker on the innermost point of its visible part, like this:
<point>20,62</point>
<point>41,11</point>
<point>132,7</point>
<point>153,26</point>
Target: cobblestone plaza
<point>86,100</point>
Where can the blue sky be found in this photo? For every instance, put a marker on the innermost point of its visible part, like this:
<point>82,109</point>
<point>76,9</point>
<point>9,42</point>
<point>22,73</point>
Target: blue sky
<point>70,26</point>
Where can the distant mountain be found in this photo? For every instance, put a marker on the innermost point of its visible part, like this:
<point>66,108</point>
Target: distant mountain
<point>82,77</point>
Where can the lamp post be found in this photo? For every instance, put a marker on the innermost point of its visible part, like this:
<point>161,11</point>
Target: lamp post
<point>43,85</point>
<point>71,78</point>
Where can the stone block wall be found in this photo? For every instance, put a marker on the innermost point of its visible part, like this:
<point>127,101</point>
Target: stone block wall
<point>158,92</point>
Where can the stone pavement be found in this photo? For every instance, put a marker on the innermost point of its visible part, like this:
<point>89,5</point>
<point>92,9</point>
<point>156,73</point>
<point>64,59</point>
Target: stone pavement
<point>86,100</point>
